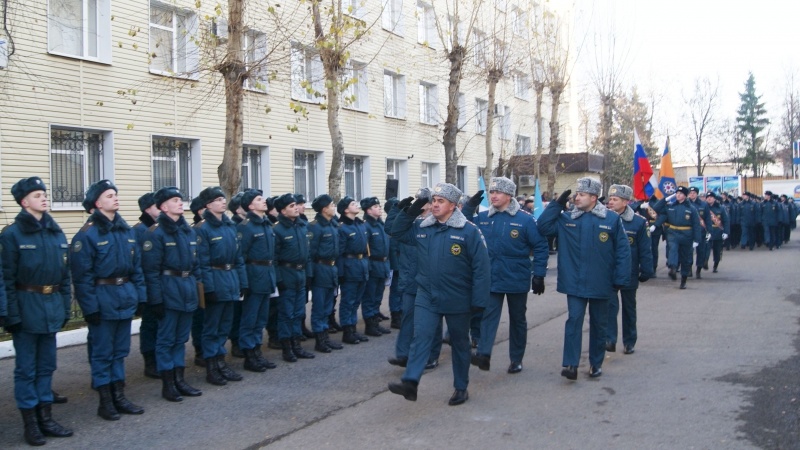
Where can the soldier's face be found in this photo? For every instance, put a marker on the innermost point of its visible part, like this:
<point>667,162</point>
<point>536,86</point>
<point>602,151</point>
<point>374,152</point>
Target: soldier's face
<point>173,207</point>
<point>616,204</point>
<point>585,201</point>
<point>259,204</point>
<point>290,211</point>
<point>152,211</point>
<point>442,208</point>
<point>692,195</point>
<point>500,200</point>
<point>301,208</point>
<point>108,201</point>
<point>329,211</point>
<point>352,208</point>
<point>711,200</point>
<point>218,206</point>
<point>680,196</point>
<point>36,201</point>
<point>374,211</point>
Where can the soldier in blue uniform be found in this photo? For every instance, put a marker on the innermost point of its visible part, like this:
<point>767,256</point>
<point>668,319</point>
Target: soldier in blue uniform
<point>770,218</point>
<point>683,231</point>
<point>512,238</point>
<point>378,242</point>
<point>197,208</point>
<point>395,295</point>
<point>238,214</point>
<point>638,234</point>
<point>353,267</point>
<point>453,280</point>
<point>292,254</point>
<point>109,285</point>
<point>705,225</point>
<point>747,217</point>
<point>587,229</point>
<point>172,274</point>
<point>148,327</point>
<point>719,228</point>
<point>258,250</point>
<point>323,277</point>
<point>34,305</point>
<point>300,201</point>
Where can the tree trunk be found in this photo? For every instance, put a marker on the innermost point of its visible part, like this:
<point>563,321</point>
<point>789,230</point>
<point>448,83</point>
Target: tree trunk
<point>699,158</point>
<point>493,79</point>
<point>555,95</point>
<point>234,74</point>
<point>456,58</point>
<point>605,129</point>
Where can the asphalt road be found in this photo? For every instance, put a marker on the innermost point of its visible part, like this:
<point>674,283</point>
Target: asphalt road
<point>716,366</point>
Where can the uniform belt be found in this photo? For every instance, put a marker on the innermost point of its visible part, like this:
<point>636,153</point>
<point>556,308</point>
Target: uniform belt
<point>378,258</point>
<point>177,273</point>
<point>222,266</point>
<point>325,262</point>
<point>292,265</point>
<point>676,227</point>
<point>46,289</point>
<point>117,281</point>
<point>259,262</point>
<point>353,255</point>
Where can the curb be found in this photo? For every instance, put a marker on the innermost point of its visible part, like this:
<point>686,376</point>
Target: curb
<point>63,339</point>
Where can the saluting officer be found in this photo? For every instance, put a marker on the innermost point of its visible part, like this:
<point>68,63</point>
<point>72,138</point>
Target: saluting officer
<point>109,285</point>
<point>512,238</point>
<point>453,276</point>
<point>683,231</point>
<point>258,250</point>
<point>378,242</point>
<point>148,328</point>
<point>172,273</point>
<point>37,291</point>
<point>718,229</point>
<point>353,267</point>
<point>642,269</point>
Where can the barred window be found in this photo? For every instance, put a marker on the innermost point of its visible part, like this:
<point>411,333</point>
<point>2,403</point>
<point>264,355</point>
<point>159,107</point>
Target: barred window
<point>354,176</point>
<point>305,173</point>
<point>172,165</point>
<point>76,161</point>
<point>251,168</point>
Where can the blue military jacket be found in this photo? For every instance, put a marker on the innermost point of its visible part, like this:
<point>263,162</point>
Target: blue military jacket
<point>636,230</point>
<point>220,257</point>
<point>103,250</point>
<point>171,246</point>
<point>747,213</point>
<point>353,261</point>
<point>291,247</point>
<point>453,267</point>
<point>682,215</point>
<point>702,213</point>
<point>593,253</point>
<point>258,250</point>
<point>512,238</point>
<point>720,221</point>
<point>406,254</point>
<point>771,213</point>
<point>145,222</point>
<point>378,247</point>
<point>323,235</point>
<point>35,252</point>
<point>394,248</point>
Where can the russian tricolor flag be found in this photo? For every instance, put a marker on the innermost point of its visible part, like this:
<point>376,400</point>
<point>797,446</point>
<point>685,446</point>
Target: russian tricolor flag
<point>644,182</point>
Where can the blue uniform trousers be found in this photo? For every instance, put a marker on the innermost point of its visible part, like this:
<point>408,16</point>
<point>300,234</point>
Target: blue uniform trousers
<point>272,320</point>
<point>573,330</point>
<point>217,322</point>
<point>352,292</point>
<point>173,332</point>
<point>35,364</point>
<point>748,236</point>
<point>628,317</point>
<point>395,295</point>
<point>406,333</point>
<point>198,316</point>
<point>426,324</point>
<point>148,329</point>
<point>291,308</point>
<point>321,307</point>
<point>700,251</point>
<point>715,248</point>
<point>517,327</point>
<point>680,253</point>
<point>253,314</point>
<point>655,240</point>
<point>771,236</point>
<point>372,298</point>
<point>236,324</point>
<point>111,343</point>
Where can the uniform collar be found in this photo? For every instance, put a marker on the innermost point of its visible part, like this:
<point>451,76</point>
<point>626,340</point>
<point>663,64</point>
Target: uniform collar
<point>29,224</point>
<point>512,209</point>
<point>599,210</point>
<point>457,220</point>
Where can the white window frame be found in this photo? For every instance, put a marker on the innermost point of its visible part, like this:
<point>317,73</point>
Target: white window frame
<point>522,145</point>
<point>522,86</point>
<point>448,44</point>
<point>358,167</point>
<point>481,44</point>
<point>255,168</point>
<point>428,103</point>
<point>314,166</point>
<point>394,95</point>
<point>308,79</point>
<point>356,95</point>
<point>504,121</point>
<point>429,174</point>
<point>461,178</point>
<point>355,8</point>
<point>191,168</point>
<point>426,25</point>
<point>104,164</point>
<point>96,28</point>
<point>501,5</point>
<point>184,53</point>
<point>397,169</point>
<point>461,104</point>
<point>519,22</point>
<point>481,115</point>
<point>255,54</point>
<point>392,16</point>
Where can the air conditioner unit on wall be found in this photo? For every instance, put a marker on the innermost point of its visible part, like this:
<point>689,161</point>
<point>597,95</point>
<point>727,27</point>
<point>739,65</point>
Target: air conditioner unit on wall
<point>527,180</point>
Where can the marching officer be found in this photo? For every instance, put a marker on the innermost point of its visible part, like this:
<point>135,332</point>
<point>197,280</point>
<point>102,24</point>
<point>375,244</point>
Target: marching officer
<point>718,229</point>
<point>258,251</point>
<point>705,225</point>
<point>109,285</point>
<point>323,277</point>
<point>747,218</point>
<point>353,268</point>
<point>37,294</point>
<point>512,237</point>
<point>636,229</point>
<point>453,280</point>
<point>770,218</point>
<point>148,328</point>
<point>395,294</point>
<point>587,229</point>
<point>378,244</point>
<point>224,282</point>
<point>172,273</point>
<point>683,231</point>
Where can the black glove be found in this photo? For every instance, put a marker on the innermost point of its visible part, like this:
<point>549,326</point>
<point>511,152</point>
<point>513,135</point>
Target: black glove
<point>93,318</point>
<point>416,208</point>
<point>281,286</point>
<point>140,309</point>
<point>66,321</point>
<point>476,199</point>
<point>618,287</point>
<point>537,285</point>
<point>16,328</point>
<point>3,321</point>
<point>476,309</point>
<point>158,311</point>
<point>602,200</point>
<point>405,203</point>
<point>211,296</point>
<point>309,282</point>
<point>563,198</point>
<point>244,292</point>
<point>643,278</point>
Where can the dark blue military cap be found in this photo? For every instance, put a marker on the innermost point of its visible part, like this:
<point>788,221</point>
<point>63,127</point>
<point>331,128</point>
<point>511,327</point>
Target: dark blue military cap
<point>146,201</point>
<point>283,201</point>
<point>271,202</point>
<point>164,194</point>
<point>344,203</point>
<point>683,190</point>
<point>235,202</point>
<point>25,186</point>
<point>299,199</point>
<point>248,196</point>
<point>321,202</point>
<point>210,194</point>
<point>369,202</point>
<point>95,190</point>
<point>196,205</point>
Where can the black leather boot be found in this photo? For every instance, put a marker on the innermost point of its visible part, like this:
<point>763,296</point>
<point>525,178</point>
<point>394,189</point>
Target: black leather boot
<point>150,370</point>
<point>397,317</point>
<point>333,326</point>
<point>298,350</point>
<point>182,386</point>
<point>47,425</point>
<point>371,327</point>
<point>274,343</point>
<point>106,410</point>
<point>168,389</point>
<point>288,354</point>
<point>122,404</point>
<point>716,264</point>
<point>33,435</point>
<point>331,343</point>
<point>236,351</point>
<point>321,345</point>
<point>698,273</point>
<point>306,332</point>
<point>400,361</point>
<point>59,399</point>
<point>349,336</point>
<point>212,372</point>
<point>226,371</point>
<point>408,389</point>
<point>383,330</point>
<point>263,361</point>
<point>358,335</point>
<point>683,282</point>
<point>198,357</point>
<point>251,361</point>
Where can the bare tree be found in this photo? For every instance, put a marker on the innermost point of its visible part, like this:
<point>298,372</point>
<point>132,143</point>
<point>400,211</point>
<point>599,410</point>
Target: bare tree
<point>702,111</point>
<point>790,123</point>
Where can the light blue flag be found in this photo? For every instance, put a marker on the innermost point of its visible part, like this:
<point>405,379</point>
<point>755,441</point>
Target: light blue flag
<point>484,206</point>
<point>538,207</point>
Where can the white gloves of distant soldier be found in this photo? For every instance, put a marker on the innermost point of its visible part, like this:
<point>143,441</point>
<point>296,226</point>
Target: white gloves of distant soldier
<point>695,244</point>
<point>644,206</point>
<point>671,198</point>
<point>708,236</point>
<point>652,228</point>
<point>724,236</point>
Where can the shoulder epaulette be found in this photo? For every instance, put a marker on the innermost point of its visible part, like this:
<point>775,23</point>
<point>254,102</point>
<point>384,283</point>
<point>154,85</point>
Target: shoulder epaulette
<point>86,226</point>
<point>153,227</point>
<point>4,228</point>
<point>313,222</point>
<point>244,221</point>
<point>198,224</point>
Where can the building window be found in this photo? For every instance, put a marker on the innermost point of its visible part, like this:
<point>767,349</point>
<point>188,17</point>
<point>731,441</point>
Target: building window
<point>426,25</point>
<point>503,114</point>
<point>523,145</point>
<point>80,28</point>
<point>461,178</point>
<point>253,173</point>
<point>481,115</point>
<point>355,8</point>
<point>356,95</point>
<point>502,5</point>
<point>462,111</point>
<point>354,176</point>
<point>255,60</point>
<point>519,22</point>
<point>450,29</point>
<point>172,165</point>
<point>394,95</point>
<point>308,81</point>
<point>392,16</point>
<point>501,58</point>
<point>305,173</point>
<point>481,43</point>
<point>522,86</point>
<point>428,103</point>
<point>397,169</point>
<point>172,47</point>
<point>430,174</point>
<point>77,159</point>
